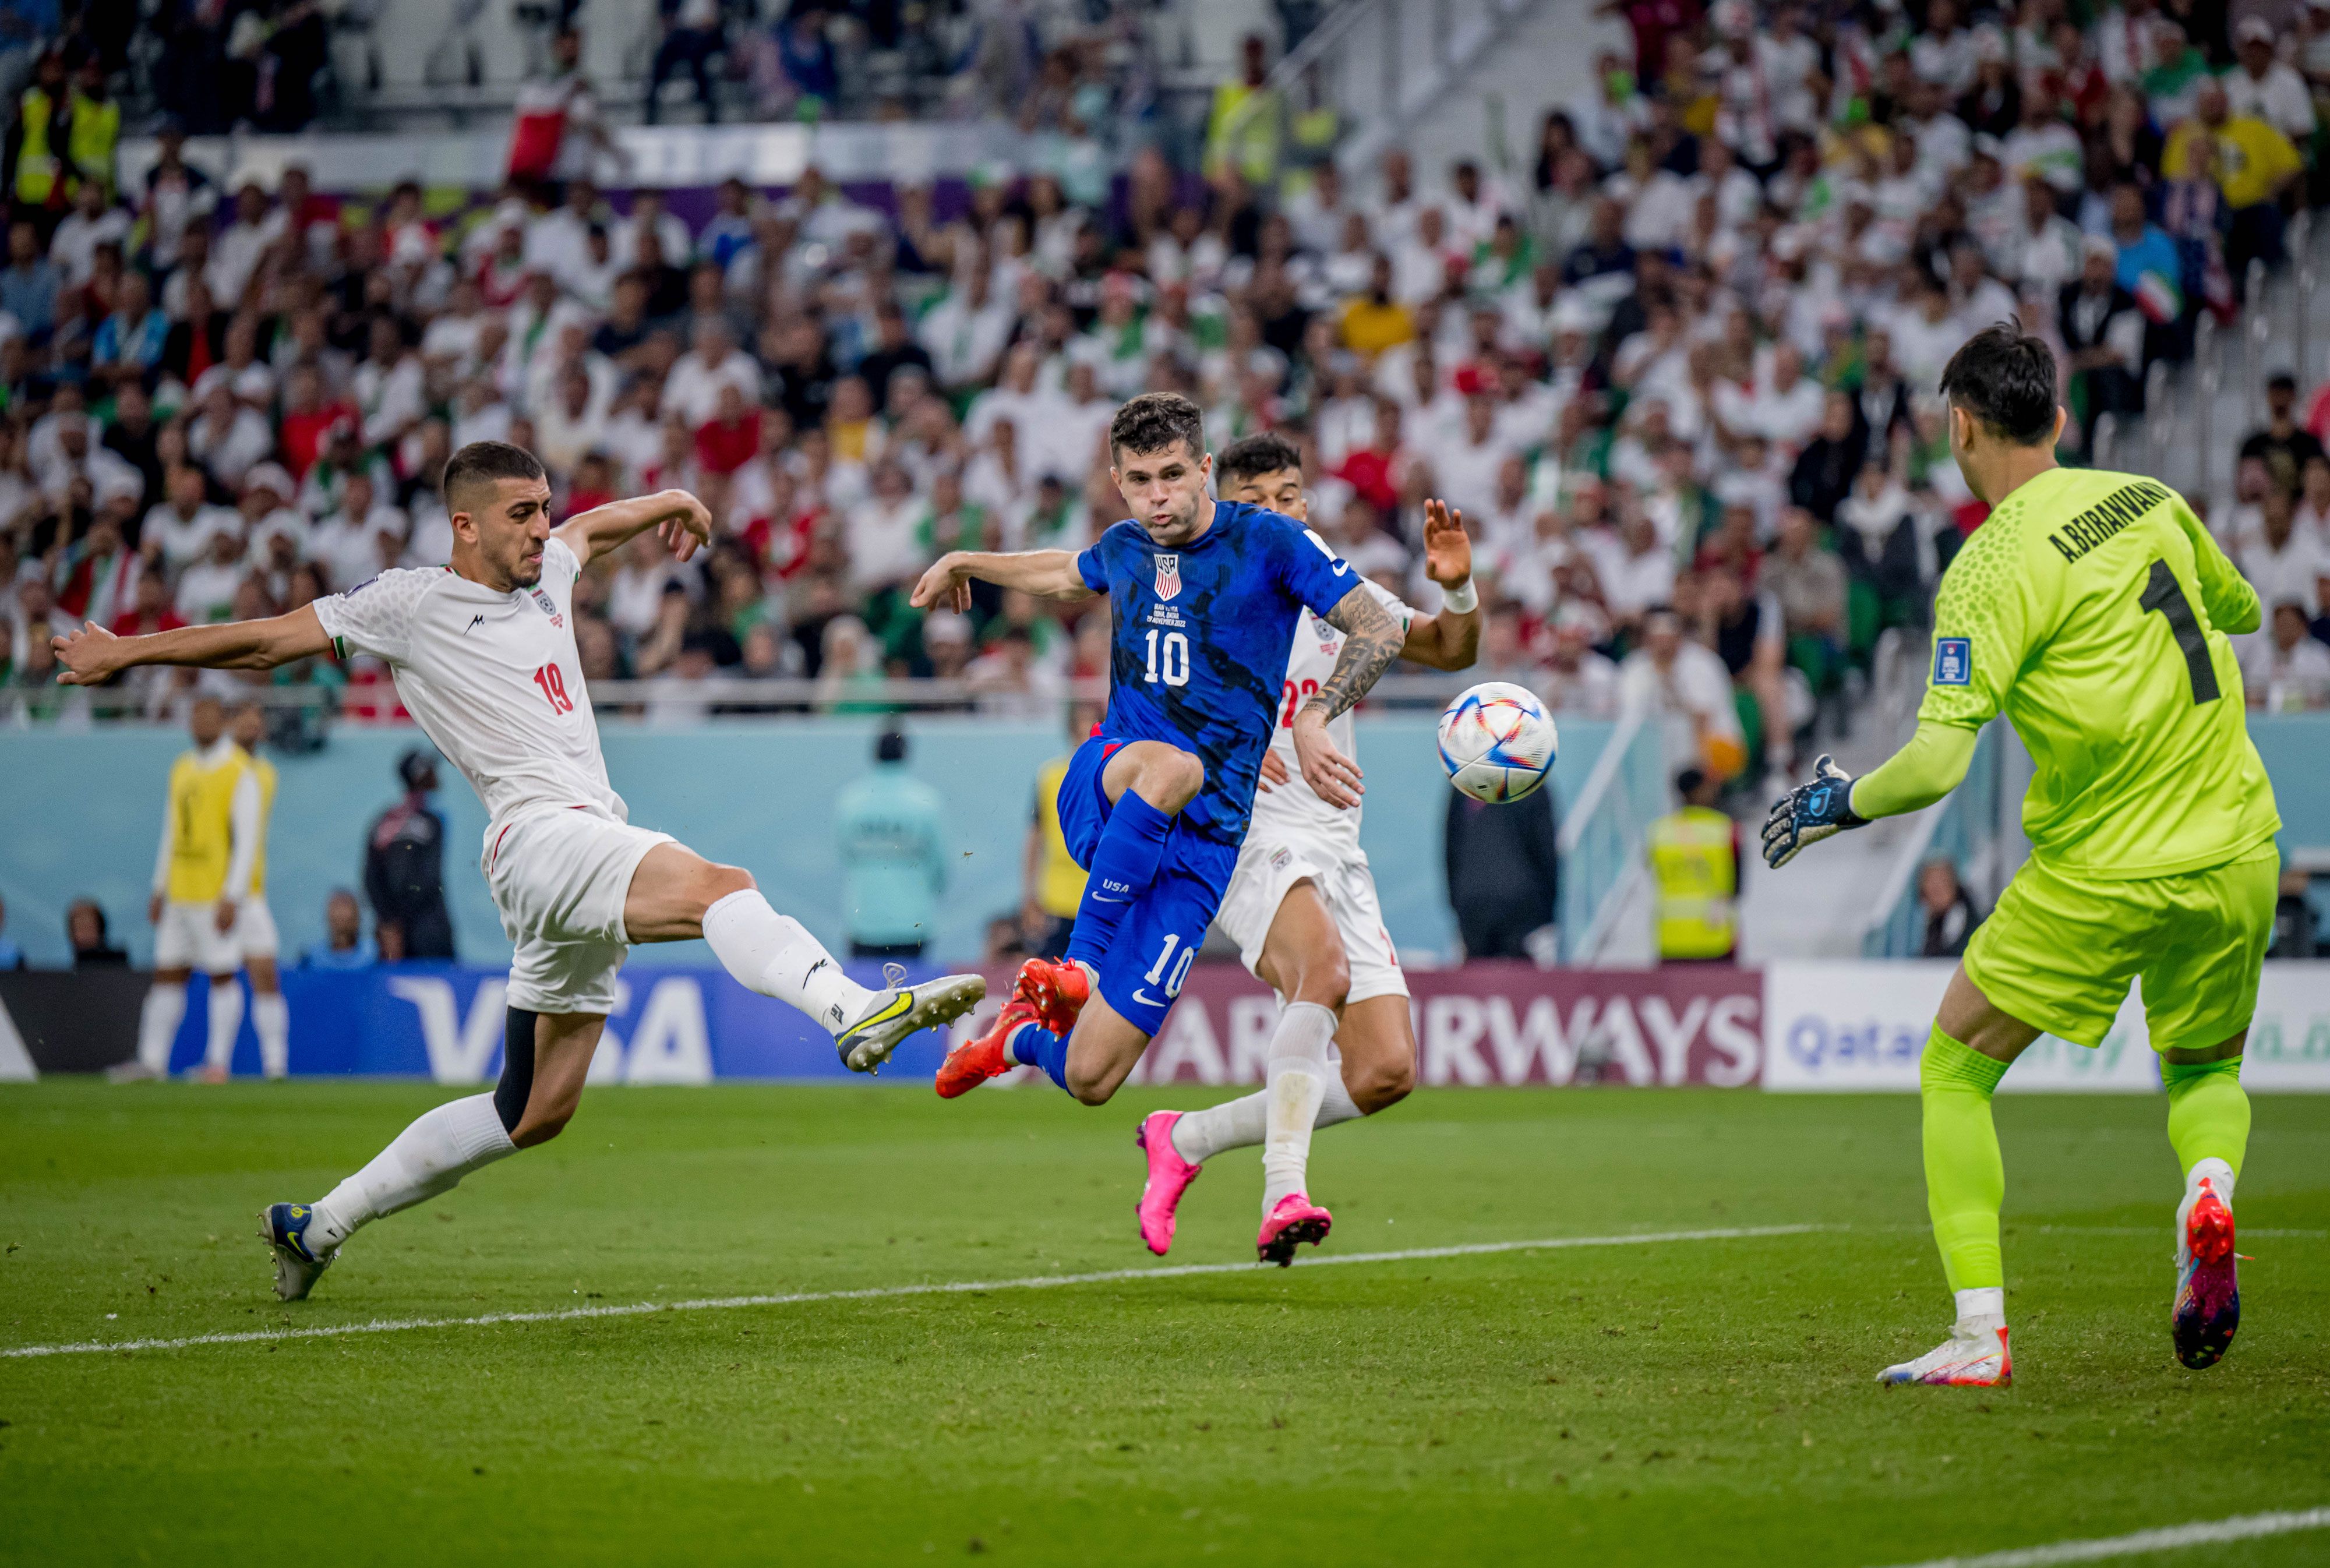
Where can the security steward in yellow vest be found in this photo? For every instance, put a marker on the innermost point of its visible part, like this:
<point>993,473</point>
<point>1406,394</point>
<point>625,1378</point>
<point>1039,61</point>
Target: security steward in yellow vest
<point>39,183</point>
<point>1695,863</point>
<point>1053,882</point>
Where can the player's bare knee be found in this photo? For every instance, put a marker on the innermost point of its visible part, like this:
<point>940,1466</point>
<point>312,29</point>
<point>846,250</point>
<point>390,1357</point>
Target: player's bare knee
<point>1091,1086</point>
<point>1380,1084</point>
<point>539,1127</point>
<point>1170,778</point>
<point>718,882</point>
<point>1325,980</point>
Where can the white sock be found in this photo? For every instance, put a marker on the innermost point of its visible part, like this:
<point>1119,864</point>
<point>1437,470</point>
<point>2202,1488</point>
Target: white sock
<point>428,1157</point>
<point>1296,1087</point>
<point>1243,1122</point>
<point>158,1022</point>
<point>226,1018</point>
<point>775,955</point>
<point>2217,1173</point>
<point>1982,1302</point>
<point>271,1015</point>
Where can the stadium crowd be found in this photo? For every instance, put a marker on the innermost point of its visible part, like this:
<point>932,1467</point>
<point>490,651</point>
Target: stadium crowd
<point>1676,366</point>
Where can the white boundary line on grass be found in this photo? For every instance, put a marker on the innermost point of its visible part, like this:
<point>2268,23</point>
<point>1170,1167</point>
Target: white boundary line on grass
<point>2206,1532</point>
<point>884,1292</point>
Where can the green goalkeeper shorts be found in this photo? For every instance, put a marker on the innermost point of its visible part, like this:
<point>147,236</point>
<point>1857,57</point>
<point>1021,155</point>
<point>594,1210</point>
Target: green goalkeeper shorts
<point>2059,950</point>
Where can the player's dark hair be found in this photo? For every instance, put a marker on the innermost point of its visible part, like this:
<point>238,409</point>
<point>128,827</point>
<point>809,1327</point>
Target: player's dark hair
<point>890,746</point>
<point>1252,458</point>
<point>1154,421</point>
<point>484,462</point>
<point>2005,378</point>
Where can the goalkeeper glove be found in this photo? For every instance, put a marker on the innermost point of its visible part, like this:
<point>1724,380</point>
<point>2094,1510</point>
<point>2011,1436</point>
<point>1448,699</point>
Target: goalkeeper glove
<point>1810,813</point>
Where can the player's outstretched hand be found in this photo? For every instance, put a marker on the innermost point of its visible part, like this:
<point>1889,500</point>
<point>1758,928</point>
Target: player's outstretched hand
<point>1273,771</point>
<point>943,584</point>
<point>1447,548</point>
<point>689,525</point>
<point>1332,777</point>
<point>1810,812</point>
<point>87,657</point>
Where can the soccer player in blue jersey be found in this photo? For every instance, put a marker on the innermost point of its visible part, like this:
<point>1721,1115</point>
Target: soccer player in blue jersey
<point>1203,596</point>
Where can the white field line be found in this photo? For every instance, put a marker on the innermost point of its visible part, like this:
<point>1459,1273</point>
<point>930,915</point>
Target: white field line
<point>885,1292</point>
<point>2174,1537</point>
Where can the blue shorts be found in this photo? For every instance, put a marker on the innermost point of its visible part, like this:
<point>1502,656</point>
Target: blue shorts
<point>1143,971</point>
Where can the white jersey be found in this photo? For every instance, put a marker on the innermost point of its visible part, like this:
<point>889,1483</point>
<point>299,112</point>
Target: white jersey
<point>1293,809</point>
<point>493,678</point>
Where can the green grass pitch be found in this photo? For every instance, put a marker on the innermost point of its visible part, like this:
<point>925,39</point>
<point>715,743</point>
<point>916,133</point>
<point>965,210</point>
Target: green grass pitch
<point>1686,1401</point>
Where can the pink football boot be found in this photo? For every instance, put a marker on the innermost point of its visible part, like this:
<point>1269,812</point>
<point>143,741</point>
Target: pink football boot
<point>1169,1176</point>
<point>1294,1221</point>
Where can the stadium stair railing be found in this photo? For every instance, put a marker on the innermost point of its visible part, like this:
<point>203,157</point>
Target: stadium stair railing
<point>1601,840</point>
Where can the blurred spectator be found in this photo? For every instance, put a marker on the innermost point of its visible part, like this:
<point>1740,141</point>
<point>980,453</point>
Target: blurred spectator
<point>2284,445</point>
<point>12,957</point>
<point>1671,675</point>
<point>1950,914</point>
<point>86,930</point>
<point>2103,333</point>
<point>2283,670</point>
<point>891,830</point>
<point>1504,883</point>
<point>2252,164</point>
<point>344,946</point>
<point>405,867</point>
<point>1694,855</point>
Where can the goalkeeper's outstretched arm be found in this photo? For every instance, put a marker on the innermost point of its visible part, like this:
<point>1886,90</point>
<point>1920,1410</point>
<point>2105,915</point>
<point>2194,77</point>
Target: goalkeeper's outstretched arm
<point>1929,767</point>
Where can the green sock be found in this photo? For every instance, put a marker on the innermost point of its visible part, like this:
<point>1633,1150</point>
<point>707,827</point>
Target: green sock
<point>2208,1112</point>
<point>1966,1180</point>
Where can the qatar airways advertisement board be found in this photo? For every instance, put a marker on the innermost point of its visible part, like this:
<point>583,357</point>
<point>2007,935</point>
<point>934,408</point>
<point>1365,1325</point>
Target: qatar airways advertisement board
<point>1861,1025</point>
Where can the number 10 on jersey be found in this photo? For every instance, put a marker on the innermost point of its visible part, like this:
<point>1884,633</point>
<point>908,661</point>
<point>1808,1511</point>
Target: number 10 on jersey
<point>1173,667</point>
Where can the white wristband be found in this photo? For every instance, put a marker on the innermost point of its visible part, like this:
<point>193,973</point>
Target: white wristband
<point>1462,600</point>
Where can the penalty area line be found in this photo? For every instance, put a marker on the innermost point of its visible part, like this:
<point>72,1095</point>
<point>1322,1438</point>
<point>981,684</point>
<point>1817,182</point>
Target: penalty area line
<point>888,1292</point>
<point>2171,1538</point>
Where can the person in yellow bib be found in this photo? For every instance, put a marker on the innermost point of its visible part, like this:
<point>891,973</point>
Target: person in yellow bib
<point>202,875</point>
<point>2093,610</point>
<point>1694,853</point>
<point>1053,883</point>
<point>254,923</point>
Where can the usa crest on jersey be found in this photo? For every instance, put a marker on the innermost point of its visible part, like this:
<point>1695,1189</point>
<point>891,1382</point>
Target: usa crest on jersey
<point>1168,576</point>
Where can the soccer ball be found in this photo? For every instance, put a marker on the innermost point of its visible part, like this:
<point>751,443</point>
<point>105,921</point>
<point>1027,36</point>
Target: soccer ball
<point>1497,742</point>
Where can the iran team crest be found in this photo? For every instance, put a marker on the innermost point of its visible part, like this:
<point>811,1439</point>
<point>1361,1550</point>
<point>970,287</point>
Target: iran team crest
<point>543,601</point>
<point>1168,576</point>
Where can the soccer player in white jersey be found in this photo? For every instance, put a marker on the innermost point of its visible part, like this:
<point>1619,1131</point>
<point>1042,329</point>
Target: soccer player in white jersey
<point>483,653</point>
<point>1301,903</point>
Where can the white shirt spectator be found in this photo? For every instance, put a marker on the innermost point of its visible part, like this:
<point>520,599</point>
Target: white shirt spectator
<point>228,448</point>
<point>234,257</point>
<point>965,339</point>
<point>1695,686</point>
<point>692,390</point>
<point>2294,573</point>
<point>2279,681</point>
<point>348,549</point>
<point>185,539</point>
<point>2280,99</point>
<point>670,231</point>
<point>74,247</point>
<point>885,544</point>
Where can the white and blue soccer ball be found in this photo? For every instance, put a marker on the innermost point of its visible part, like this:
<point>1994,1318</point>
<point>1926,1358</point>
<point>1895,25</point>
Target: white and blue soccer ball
<point>1497,742</point>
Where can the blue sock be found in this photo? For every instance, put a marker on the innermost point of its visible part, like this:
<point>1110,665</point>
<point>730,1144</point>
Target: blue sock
<point>1033,1045</point>
<point>1124,864</point>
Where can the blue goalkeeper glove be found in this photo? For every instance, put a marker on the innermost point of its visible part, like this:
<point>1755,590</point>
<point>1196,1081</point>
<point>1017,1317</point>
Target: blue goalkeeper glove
<point>1810,813</point>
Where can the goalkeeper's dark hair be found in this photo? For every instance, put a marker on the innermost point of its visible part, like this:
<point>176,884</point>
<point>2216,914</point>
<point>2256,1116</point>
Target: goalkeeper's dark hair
<point>2005,378</point>
<point>484,462</point>
<point>1153,423</point>
<point>1252,458</point>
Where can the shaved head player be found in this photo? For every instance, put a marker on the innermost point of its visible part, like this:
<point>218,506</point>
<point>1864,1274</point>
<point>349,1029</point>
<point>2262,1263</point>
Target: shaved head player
<point>483,652</point>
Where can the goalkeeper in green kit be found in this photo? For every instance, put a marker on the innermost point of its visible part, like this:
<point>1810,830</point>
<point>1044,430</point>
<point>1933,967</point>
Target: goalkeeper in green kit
<point>2092,609</point>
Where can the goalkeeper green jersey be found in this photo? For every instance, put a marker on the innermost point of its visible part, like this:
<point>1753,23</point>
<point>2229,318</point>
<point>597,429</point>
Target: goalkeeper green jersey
<point>2092,609</point>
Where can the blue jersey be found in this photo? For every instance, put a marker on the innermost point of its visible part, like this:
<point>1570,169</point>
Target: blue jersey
<point>1202,636</point>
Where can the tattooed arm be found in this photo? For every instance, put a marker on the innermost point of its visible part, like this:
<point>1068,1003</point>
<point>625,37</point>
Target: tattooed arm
<point>1371,641</point>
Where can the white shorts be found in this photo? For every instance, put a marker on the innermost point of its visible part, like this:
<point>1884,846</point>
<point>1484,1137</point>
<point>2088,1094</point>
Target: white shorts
<point>254,929</point>
<point>1268,868</point>
<point>189,938</point>
<point>559,879</point>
